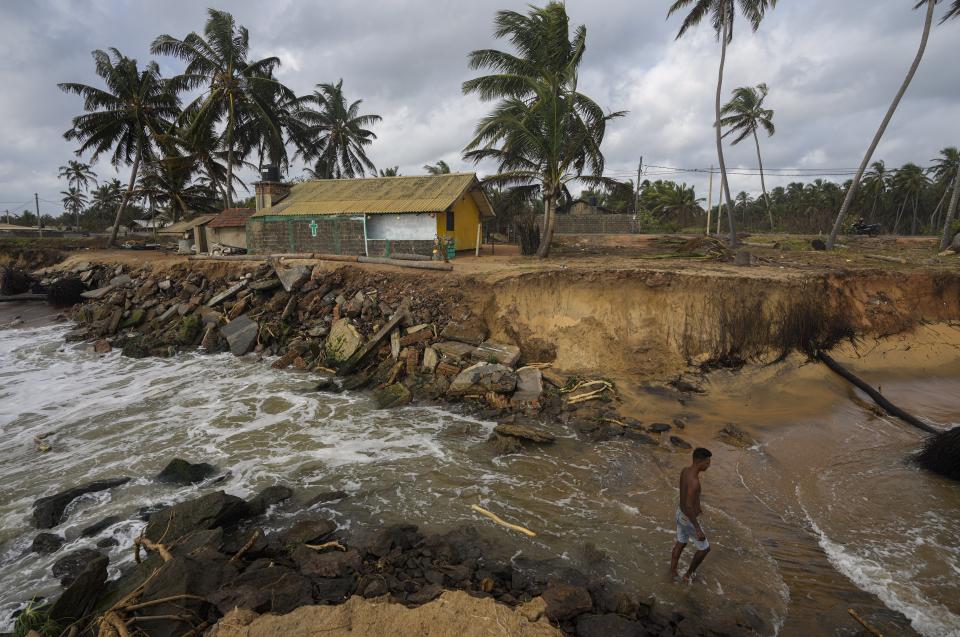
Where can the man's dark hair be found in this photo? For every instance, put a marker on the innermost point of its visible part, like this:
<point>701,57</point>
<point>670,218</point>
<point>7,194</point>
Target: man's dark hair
<point>701,454</point>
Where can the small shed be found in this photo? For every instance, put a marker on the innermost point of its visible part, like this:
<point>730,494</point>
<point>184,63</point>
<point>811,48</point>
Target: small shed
<point>193,229</point>
<point>229,228</point>
<point>378,216</point>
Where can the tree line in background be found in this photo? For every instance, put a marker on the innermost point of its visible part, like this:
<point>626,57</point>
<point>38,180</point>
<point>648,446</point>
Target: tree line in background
<point>542,133</point>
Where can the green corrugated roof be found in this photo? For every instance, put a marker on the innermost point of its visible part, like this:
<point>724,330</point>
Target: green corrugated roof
<point>380,195</point>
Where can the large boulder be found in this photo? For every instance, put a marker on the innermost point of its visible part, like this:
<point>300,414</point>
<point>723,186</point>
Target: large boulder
<point>453,349</point>
<point>71,565</point>
<point>307,531</point>
<point>46,543</point>
<point>181,472</point>
<point>471,330</point>
<point>343,342</point>
<point>210,511</point>
<point>493,352</point>
<point>79,598</point>
<point>48,511</point>
<point>293,278</point>
<point>273,589</point>
<point>529,388</point>
<point>565,601</point>
<point>523,432</point>
<point>241,334</point>
<point>330,564</point>
<point>269,497</point>
<point>394,395</point>
<point>482,378</point>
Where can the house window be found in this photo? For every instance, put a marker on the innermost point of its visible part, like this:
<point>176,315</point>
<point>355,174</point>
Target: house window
<point>449,220</point>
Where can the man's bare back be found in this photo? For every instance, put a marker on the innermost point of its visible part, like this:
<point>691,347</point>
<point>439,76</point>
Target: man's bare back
<point>688,515</point>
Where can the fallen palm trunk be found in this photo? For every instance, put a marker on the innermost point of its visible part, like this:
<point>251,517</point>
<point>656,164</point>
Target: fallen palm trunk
<point>941,451</point>
<point>501,522</point>
<point>403,256</point>
<point>420,265</point>
<point>227,257</point>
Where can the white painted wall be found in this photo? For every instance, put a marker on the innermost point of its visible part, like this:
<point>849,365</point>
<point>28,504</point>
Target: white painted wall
<point>406,226</point>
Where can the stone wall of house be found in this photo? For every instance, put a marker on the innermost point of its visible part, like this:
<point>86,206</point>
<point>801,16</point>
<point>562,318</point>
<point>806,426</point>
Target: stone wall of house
<point>596,224</point>
<point>386,248</point>
<point>334,235</point>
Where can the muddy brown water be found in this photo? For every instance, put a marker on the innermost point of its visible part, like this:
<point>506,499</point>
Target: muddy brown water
<point>820,515</point>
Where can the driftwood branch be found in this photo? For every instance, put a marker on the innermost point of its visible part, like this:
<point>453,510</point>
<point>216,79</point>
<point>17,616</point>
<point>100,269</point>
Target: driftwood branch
<point>333,544</point>
<point>860,620</point>
<point>502,522</point>
<point>877,397</point>
<point>246,547</point>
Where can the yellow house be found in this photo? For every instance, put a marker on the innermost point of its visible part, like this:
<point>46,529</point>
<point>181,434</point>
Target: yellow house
<point>378,216</point>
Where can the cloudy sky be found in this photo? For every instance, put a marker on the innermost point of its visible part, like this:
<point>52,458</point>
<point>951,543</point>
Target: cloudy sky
<point>832,66</point>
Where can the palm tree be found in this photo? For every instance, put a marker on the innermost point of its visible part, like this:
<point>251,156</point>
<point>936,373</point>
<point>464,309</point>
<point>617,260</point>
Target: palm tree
<point>743,115</point>
<point>909,181</point>
<point>722,14</point>
<point>337,133</point>
<point>543,133</point>
<point>78,175</point>
<point>928,21</point>
<point>875,184</point>
<point>125,118</point>
<point>74,200</point>
<point>439,168</point>
<point>241,93</point>
<point>390,172</point>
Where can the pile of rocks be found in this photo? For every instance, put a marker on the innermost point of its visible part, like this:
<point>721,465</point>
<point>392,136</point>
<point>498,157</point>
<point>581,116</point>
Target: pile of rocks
<point>211,555</point>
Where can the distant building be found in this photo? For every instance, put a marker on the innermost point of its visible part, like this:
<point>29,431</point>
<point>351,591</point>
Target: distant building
<point>377,216</point>
<point>229,228</point>
<point>13,230</point>
<point>192,230</point>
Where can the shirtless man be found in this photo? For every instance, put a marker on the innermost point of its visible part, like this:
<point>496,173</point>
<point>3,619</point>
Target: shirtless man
<point>688,514</point>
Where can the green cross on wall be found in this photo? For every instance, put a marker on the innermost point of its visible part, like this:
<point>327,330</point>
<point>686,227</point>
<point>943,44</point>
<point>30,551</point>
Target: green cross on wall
<point>313,227</point>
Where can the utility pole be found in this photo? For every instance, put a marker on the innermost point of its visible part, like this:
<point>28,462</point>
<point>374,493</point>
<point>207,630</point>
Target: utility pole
<point>36,202</point>
<point>636,190</point>
<point>710,201</point>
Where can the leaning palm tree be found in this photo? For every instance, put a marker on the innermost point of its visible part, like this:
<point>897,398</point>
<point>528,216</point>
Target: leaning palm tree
<point>928,22</point>
<point>742,116</point>
<point>543,133</point>
<point>124,118</point>
<point>390,172</point>
<point>337,133</point>
<point>876,181</point>
<point>439,168</point>
<point>74,200</point>
<point>722,14</point>
<point>78,175</point>
<point>240,93</point>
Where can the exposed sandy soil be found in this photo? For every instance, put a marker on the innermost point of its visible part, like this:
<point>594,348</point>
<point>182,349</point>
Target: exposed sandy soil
<point>453,614</point>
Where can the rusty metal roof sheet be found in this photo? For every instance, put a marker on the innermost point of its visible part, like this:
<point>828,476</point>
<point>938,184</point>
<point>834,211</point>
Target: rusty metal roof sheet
<point>380,195</point>
<point>231,218</point>
<point>189,224</point>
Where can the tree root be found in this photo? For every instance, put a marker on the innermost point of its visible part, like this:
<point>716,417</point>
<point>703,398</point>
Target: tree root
<point>334,544</point>
<point>501,522</point>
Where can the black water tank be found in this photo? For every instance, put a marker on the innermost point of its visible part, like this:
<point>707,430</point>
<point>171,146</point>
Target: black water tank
<point>269,173</point>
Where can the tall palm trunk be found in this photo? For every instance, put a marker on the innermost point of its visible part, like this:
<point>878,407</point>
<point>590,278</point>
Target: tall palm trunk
<point>946,238</point>
<point>896,223</point>
<point>126,195</point>
<point>228,190</point>
<point>763,183</point>
<point>549,217</point>
<point>931,4</point>
<point>725,187</point>
<point>913,223</point>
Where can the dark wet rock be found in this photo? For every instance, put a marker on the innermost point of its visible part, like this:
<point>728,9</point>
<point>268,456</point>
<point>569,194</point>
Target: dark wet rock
<point>144,513</point>
<point>107,542</point>
<point>183,473</point>
<point>333,590</point>
<point>201,573</point>
<point>48,511</point>
<point>325,497</point>
<point>333,563</point>
<point>236,540</point>
<point>660,427</point>
<point>400,536</point>
<point>95,528</point>
<point>376,587</point>
<point>394,395</point>
<point>680,443</point>
<point>46,543</point>
<point>355,381</point>
<point>532,575</point>
<point>638,436</point>
<point>65,292</point>
<point>210,511</point>
<point>71,565</point>
<point>307,531</point>
<point>81,596</point>
<point>505,445</point>
<point>733,435</point>
<point>139,346</point>
<point>565,602</point>
<point>608,626</point>
<point>608,598</point>
<point>426,594</point>
<point>272,589</point>
<point>269,497</point>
